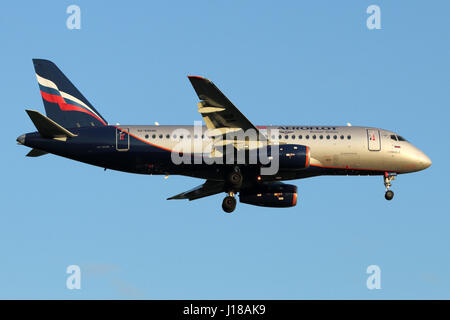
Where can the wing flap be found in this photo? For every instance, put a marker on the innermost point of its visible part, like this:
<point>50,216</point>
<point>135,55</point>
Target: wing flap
<point>217,110</point>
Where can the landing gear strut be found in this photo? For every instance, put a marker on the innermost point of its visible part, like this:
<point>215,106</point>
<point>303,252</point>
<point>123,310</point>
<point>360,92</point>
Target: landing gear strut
<point>388,178</point>
<point>229,203</point>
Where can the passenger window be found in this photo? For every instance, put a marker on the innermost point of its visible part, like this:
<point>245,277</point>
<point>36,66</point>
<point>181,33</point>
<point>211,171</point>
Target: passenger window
<point>160,136</point>
<point>146,136</point>
<point>328,137</point>
<point>342,137</point>
<point>335,137</point>
<point>349,137</point>
<point>321,137</point>
<point>300,137</point>
<point>307,136</point>
<point>154,136</point>
<point>167,136</point>
<point>286,137</point>
<point>314,136</point>
<point>293,136</point>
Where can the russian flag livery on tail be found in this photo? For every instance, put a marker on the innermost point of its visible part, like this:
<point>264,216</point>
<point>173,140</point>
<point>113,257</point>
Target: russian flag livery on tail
<point>230,153</point>
<point>62,100</point>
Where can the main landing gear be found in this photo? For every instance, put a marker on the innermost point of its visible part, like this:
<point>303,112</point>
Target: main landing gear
<point>234,181</point>
<point>229,203</point>
<point>388,178</point>
<point>235,178</point>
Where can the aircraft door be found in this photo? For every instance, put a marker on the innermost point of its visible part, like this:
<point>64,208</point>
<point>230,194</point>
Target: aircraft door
<point>373,138</point>
<point>122,139</point>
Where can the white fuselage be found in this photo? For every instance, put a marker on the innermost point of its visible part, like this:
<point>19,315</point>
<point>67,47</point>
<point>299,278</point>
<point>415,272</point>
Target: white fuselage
<point>340,147</point>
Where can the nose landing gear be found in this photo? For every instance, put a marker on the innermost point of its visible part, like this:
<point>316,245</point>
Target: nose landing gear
<point>388,178</point>
<point>229,203</point>
<point>389,195</point>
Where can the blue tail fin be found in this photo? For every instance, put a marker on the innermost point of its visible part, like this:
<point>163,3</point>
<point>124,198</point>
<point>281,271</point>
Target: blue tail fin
<point>62,101</point>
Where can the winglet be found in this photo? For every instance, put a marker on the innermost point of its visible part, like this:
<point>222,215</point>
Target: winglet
<point>198,77</point>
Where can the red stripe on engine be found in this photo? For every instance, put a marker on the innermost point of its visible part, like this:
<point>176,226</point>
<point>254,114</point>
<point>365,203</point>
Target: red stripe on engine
<point>307,157</point>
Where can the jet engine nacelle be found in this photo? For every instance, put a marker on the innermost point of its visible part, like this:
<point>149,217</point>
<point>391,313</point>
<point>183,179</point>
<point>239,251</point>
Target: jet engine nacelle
<point>275,194</point>
<point>290,156</point>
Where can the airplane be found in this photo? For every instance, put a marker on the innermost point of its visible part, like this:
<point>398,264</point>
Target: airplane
<point>74,129</point>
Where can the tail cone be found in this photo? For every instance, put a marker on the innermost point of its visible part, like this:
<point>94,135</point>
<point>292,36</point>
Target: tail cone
<point>21,139</point>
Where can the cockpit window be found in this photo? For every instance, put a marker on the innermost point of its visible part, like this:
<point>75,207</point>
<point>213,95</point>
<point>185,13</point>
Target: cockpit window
<point>400,138</point>
<point>394,137</point>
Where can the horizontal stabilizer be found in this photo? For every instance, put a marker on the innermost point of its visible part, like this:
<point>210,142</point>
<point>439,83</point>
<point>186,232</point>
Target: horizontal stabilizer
<point>36,153</point>
<point>47,127</point>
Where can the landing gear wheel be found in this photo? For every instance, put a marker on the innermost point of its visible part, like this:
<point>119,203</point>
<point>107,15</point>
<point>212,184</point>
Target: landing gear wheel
<point>229,204</point>
<point>235,178</point>
<point>389,195</point>
<point>388,178</point>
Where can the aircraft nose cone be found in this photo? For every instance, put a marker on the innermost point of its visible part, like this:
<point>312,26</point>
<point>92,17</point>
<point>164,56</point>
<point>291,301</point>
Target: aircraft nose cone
<point>425,161</point>
<point>421,160</point>
<point>21,139</point>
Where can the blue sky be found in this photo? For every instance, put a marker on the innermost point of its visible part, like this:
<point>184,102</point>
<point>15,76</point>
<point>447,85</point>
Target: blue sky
<point>289,62</point>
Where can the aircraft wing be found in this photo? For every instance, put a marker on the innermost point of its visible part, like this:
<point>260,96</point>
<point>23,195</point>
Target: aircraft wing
<point>209,188</point>
<point>219,114</point>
